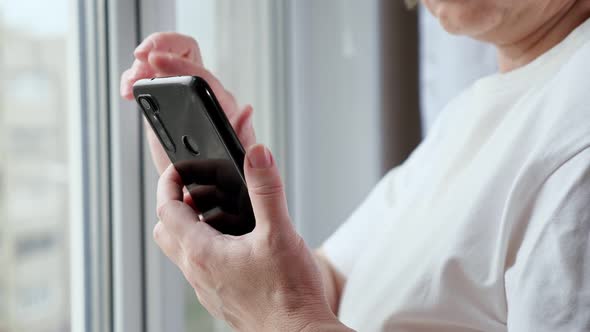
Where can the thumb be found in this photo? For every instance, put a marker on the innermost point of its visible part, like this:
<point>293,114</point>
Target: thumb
<point>266,190</point>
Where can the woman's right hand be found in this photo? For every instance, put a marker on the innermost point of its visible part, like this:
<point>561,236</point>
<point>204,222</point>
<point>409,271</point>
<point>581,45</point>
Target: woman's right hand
<point>170,54</point>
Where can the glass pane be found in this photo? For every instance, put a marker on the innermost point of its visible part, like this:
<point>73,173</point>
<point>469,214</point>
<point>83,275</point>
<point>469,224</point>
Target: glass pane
<point>35,103</point>
<point>235,38</point>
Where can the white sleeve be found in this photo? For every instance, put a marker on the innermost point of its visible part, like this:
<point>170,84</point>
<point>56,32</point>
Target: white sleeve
<point>344,246</point>
<point>548,287</point>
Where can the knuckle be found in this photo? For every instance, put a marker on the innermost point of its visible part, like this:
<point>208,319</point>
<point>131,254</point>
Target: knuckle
<point>266,241</point>
<point>126,74</point>
<point>194,283</point>
<point>163,211</point>
<point>275,240</point>
<point>196,255</point>
<point>153,35</point>
<point>194,43</point>
<point>162,38</point>
<point>267,189</point>
<point>278,237</point>
<point>157,37</point>
<point>160,210</point>
<point>297,243</point>
<point>157,232</point>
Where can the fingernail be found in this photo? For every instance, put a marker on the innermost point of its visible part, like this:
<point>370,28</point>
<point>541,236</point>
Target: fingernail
<point>259,157</point>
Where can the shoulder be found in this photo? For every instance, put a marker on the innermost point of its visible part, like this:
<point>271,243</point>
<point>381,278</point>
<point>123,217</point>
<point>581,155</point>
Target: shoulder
<point>558,113</point>
<point>565,99</point>
<point>545,286</point>
<point>560,209</point>
<point>567,188</point>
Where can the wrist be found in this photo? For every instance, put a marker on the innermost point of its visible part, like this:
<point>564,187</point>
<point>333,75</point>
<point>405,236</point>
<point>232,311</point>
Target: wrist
<point>308,320</point>
<point>332,325</point>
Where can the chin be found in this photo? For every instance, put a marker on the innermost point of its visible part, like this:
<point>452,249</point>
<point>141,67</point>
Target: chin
<point>473,18</point>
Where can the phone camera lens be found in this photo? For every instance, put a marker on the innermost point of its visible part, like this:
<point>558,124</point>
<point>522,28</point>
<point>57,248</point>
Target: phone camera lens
<point>148,104</point>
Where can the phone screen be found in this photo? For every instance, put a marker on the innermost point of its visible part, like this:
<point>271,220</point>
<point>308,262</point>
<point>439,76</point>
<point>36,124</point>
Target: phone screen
<point>199,151</point>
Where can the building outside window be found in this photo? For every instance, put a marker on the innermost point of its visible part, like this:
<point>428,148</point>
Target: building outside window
<point>34,196</point>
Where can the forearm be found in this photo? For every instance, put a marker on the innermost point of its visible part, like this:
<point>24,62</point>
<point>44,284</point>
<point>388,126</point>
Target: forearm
<point>333,281</point>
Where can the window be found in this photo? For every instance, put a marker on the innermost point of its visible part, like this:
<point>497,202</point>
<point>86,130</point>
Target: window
<point>77,185</point>
<point>37,101</point>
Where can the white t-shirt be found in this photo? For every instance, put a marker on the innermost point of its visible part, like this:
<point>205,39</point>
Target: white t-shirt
<point>486,227</point>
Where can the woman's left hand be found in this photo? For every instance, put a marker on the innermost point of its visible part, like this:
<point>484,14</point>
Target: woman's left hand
<point>266,280</point>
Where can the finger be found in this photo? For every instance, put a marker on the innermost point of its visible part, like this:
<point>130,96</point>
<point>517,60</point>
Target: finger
<point>230,99</point>
<point>179,218</point>
<point>159,155</point>
<point>172,211</point>
<point>266,190</point>
<point>169,186</point>
<point>170,42</point>
<point>167,243</point>
<point>204,198</point>
<point>138,70</point>
<point>233,116</point>
<point>182,222</point>
<point>168,64</point>
<point>125,87</point>
<point>188,200</point>
<point>244,128</point>
<point>171,247</point>
<point>141,69</point>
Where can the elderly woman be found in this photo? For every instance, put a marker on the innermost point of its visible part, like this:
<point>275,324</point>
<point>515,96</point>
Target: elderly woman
<point>486,227</point>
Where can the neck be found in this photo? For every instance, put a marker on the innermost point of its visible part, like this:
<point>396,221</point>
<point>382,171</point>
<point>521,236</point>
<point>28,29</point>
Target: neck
<point>515,55</point>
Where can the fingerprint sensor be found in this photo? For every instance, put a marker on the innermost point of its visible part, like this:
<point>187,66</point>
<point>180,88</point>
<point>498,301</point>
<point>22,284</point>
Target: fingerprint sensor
<point>191,145</point>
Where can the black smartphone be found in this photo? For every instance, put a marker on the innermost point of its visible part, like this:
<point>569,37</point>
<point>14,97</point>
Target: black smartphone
<point>203,147</point>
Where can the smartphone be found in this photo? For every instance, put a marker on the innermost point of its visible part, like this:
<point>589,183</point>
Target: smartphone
<point>203,147</point>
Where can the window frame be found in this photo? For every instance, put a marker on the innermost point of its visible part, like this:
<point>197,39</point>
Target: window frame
<point>164,291</point>
<point>90,239</point>
<point>126,160</point>
<point>107,246</point>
